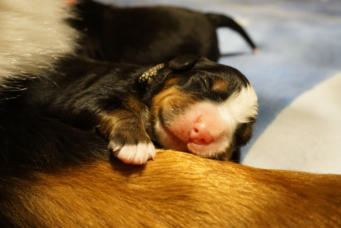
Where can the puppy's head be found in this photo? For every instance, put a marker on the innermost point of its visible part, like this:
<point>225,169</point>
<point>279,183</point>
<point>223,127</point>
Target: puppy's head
<point>204,108</point>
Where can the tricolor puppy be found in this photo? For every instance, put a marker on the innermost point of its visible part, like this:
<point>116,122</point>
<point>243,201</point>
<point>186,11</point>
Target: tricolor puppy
<point>205,108</point>
<point>189,103</point>
<point>148,35</point>
<point>54,169</point>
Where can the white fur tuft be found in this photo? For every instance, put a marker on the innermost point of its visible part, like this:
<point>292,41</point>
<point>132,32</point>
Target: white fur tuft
<point>243,105</point>
<point>136,154</point>
<point>240,107</point>
<point>33,35</point>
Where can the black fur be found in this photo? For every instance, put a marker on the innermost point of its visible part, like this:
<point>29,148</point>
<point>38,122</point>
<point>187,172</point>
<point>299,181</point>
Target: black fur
<point>149,35</point>
<point>52,121</point>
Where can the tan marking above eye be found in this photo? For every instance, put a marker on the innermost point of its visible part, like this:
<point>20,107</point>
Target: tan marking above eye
<point>219,85</point>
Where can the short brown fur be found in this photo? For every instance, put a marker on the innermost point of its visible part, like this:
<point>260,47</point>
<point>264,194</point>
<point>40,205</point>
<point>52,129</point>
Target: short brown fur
<point>177,190</point>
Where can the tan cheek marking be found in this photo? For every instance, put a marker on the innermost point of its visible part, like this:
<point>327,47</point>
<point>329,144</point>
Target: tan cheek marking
<point>171,101</point>
<point>220,85</point>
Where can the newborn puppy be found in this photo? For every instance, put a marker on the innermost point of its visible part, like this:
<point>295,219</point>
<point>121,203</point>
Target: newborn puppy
<point>205,108</point>
<point>189,103</point>
<point>148,35</point>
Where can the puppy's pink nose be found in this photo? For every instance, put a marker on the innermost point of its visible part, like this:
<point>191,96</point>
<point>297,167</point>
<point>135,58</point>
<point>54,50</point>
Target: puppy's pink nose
<point>200,134</point>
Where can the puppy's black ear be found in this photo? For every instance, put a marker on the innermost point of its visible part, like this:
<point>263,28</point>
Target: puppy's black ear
<point>183,62</point>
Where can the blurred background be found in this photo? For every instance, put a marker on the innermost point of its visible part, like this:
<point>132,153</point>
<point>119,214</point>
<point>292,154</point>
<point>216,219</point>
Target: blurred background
<point>296,74</point>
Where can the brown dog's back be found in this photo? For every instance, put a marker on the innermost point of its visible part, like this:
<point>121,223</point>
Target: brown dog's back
<point>176,190</point>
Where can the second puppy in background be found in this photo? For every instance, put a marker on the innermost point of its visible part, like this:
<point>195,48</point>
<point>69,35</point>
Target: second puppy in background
<point>148,35</point>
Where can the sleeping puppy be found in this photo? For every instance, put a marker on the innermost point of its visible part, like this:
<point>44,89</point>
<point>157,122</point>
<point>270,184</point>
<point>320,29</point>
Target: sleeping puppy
<point>189,103</point>
<point>148,35</point>
<point>175,190</point>
<point>207,109</point>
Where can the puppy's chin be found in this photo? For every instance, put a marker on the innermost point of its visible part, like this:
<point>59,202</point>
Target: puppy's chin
<point>34,36</point>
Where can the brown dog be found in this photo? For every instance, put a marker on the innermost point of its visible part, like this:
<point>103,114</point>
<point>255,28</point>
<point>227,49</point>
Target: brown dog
<point>174,190</point>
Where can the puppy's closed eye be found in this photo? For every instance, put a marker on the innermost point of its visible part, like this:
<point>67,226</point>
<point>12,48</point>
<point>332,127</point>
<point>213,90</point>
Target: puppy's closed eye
<point>199,84</point>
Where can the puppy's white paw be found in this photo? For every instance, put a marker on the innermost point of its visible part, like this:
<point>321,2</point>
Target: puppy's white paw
<point>134,154</point>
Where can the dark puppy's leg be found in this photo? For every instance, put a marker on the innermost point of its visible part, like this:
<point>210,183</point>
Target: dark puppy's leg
<point>95,95</point>
<point>125,130</point>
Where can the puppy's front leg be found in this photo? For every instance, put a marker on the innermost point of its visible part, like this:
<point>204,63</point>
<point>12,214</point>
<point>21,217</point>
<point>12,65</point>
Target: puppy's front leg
<point>127,137</point>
